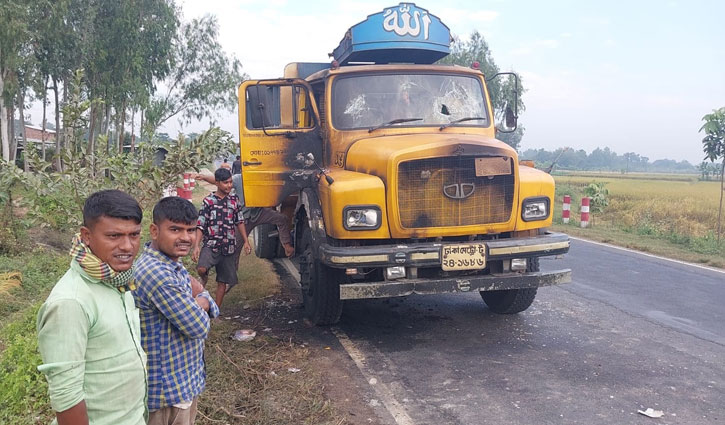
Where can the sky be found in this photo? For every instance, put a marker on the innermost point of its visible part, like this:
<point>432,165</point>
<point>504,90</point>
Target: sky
<point>634,76</point>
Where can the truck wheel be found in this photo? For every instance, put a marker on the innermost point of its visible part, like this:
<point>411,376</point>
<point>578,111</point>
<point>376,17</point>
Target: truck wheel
<point>320,286</point>
<point>264,246</point>
<point>512,301</point>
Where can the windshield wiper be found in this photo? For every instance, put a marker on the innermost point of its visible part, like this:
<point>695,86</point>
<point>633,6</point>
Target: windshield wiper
<point>460,120</point>
<point>389,123</point>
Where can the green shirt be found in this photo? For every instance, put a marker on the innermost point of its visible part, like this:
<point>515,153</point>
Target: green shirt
<point>89,338</point>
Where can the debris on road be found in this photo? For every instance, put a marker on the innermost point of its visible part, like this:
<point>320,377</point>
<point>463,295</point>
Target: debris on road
<point>244,335</point>
<point>293,369</point>
<point>652,413</point>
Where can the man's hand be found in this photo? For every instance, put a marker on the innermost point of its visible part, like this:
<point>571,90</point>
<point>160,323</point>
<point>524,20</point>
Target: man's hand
<point>196,287</point>
<point>195,254</point>
<point>203,303</point>
<point>204,177</point>
<point>247,248</point>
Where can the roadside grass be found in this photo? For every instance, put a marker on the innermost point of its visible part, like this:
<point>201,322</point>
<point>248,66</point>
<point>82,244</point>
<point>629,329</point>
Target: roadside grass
<point>668,217</point>
<point>250,382</point>
<point>23,390</point>
<point>255,382</point>
<point>650,244</point>
<point>39,270</point>
<point>628,176</point>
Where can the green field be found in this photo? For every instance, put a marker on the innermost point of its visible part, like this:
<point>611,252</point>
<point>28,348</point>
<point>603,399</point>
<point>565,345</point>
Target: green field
<point>665,213</point>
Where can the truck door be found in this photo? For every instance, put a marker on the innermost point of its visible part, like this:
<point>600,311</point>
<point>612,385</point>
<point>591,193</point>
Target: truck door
<point>278,125</point>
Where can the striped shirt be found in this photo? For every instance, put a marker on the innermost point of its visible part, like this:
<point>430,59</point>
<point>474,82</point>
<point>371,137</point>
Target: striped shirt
<point>173,329</point>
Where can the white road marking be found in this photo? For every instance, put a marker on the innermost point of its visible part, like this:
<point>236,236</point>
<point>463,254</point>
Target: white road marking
<point>396,410</point>
<point>291,269</point>
<point>383,392</point>
<point>712,269</point>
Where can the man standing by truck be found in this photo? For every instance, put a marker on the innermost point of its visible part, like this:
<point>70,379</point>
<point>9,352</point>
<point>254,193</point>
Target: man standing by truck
<point>237,166</point>
<point>220,217</point>
<point>254,217</point>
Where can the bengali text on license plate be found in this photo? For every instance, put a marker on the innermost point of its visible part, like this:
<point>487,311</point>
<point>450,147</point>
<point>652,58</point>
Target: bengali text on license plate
<point>463,257</point>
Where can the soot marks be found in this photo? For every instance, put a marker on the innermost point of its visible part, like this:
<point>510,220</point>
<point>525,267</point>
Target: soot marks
<point>422,221</point>
<point>303,143</point>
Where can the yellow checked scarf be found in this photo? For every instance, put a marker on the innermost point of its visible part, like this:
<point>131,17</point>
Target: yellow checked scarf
<point>97,269</point>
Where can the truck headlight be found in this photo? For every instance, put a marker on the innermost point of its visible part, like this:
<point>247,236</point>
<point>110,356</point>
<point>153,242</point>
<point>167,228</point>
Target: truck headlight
<point>533,209</point>
<point>361,217</point>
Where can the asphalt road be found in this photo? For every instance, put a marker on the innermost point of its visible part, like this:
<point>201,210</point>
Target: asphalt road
<point>631,332</point>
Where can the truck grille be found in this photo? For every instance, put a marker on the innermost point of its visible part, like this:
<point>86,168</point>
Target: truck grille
<point>468,199</point>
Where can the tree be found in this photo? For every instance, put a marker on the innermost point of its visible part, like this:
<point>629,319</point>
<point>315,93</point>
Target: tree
<point>475,49</point>
<point>131,48</point>
<point>202,80</point>
<point>704,168</point>
<point>714,147</point>
<point>14,36</point>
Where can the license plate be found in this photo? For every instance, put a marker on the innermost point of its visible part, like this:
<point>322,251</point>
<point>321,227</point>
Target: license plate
<point>470,256</point>
<point>494,166</point>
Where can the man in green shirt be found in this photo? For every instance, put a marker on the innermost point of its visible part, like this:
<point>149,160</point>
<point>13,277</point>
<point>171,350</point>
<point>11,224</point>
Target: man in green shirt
<point>89,329</point>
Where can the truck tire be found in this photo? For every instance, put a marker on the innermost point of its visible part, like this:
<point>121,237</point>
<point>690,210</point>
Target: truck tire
<point>320,286</point>
<point>265,246</point>
<point>512,301</point>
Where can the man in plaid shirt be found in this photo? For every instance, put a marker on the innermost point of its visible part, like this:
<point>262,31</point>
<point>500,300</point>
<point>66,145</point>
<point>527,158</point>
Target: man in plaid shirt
<point>175,315</point>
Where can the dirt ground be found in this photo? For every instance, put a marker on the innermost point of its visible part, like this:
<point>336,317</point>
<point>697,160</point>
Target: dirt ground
<point>336,379</point>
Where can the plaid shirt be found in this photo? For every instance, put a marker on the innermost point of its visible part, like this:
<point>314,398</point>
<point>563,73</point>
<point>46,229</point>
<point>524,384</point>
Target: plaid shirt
<point>173,329</point>
<point>218,219</point>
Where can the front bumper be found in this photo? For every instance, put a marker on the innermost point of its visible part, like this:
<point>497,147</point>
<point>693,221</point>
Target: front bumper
<point>491,282</point>
<point>429,254</point>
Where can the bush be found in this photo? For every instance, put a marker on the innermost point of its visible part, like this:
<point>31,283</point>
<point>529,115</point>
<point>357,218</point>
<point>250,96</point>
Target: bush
<point>599,196</point>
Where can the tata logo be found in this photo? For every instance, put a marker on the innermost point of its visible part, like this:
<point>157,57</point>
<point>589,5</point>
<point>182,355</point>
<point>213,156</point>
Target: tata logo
<point>459,190</point>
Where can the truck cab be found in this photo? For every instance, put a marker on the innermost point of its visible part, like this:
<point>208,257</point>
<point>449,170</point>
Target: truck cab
<point>389,168</point>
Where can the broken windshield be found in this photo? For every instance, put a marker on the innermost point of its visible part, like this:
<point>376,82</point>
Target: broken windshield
<point>367,101</point>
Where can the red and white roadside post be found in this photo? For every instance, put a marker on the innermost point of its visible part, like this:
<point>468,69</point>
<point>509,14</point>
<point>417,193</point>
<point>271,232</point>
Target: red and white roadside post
<point>566,209</point>
<point>187,184</point>
<point>585,212</point>
<point>192,181</point>
<point>185,191</point>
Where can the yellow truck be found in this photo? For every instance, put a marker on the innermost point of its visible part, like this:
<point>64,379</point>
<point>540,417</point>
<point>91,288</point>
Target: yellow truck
<point>389,169</point>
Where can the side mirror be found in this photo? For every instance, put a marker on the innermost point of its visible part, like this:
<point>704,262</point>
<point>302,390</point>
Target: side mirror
<point>511,119</point>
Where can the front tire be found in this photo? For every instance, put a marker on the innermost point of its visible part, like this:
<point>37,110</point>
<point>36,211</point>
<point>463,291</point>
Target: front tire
<point>512,301</point>
<point>264,246</point>
<point>320,286</point>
